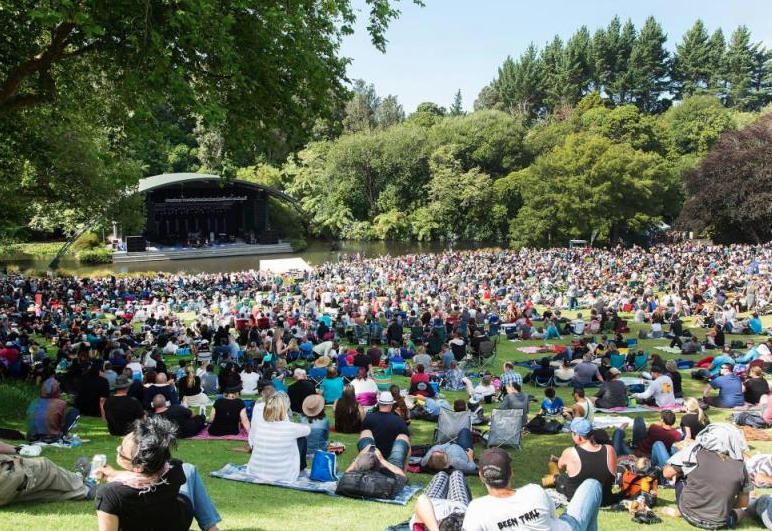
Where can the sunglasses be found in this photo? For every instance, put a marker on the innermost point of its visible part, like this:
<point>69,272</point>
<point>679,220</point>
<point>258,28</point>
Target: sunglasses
<point>120,454</point>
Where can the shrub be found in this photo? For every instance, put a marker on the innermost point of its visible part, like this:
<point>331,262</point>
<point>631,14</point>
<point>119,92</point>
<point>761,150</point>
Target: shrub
<point>298,244</point>
<point>86,241</point>
<point>15,397</point>
<point>101,255</point>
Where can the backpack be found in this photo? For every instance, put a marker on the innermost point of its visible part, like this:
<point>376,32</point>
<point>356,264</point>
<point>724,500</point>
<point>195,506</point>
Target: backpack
<point>748,418</point>
<point>541,426</point>
<point>324,467</point>
<point>368,484</point>
<point>736,344</point>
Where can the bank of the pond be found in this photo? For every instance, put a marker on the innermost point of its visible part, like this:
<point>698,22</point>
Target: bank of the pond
<point>316,253</point>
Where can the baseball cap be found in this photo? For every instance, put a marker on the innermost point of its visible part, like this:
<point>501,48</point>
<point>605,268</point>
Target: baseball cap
<point>581,427</point>
<point>385,398</point>
<point>496,467</point>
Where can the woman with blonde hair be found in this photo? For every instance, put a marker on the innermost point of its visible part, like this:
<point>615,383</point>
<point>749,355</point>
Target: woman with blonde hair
<point>190,390</point>
<point>279,453</point>
<point>694,420</point>
<point>755,386</point>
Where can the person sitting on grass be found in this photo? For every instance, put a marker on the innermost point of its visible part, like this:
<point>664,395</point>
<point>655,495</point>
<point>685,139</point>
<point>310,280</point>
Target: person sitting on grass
<point>583,407</point>
<point>656,442</point>
<point>586,373</point>
<point>365,388</point>
<point>528,508</point>
<point>551,405</point>
<point>712,485</point>
<point>730,389</point>
<point>400,406</point>
<point>587,459</point>
<point>543,373</point>
<point>332,385</point>
<point>454,378</point>
<point>420,384</point>
<point>349,413</point>
<point>485,388</point>
<point>188,424</point>
<point>660,391</point>
<point>51,482</point>
<point>190,390</point>
<point>279,451</point>
<point>387,431</point>
<point>612,393</point>
<point>313,415</point>
<point>228,413</point>
<point>47,416</point>
<point>443,503</point>
<point>122,410</point>
<point>153,491</point>
<point>515,399</point>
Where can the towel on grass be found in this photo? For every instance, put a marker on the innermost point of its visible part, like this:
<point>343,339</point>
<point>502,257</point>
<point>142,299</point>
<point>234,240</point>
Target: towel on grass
<point>204,436</point>
<point>628,409</point>
<point>669,350</point>
<point>304,483</point>
<point>610,421</point>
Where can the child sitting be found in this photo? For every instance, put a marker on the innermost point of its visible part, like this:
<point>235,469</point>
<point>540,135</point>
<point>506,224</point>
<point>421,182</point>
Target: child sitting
<point>551,405</point>
<point>313,411</point>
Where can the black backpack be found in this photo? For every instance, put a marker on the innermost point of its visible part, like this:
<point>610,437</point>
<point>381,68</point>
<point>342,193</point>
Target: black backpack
<point>368,484</point>
<point>541,426</point>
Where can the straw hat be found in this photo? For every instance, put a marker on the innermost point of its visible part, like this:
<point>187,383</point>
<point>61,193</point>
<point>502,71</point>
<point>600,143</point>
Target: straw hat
<point>322,361</point>
<point>313,405</point>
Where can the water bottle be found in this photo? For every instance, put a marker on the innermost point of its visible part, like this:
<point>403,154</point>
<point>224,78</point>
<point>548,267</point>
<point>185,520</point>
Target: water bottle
<point>97,462</point>
<point>75,441</point>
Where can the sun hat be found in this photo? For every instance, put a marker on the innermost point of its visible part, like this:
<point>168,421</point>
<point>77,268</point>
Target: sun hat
<point>122,382</point>
<point>313,405</point>
<point>385,398</point>
<point>322,361</point>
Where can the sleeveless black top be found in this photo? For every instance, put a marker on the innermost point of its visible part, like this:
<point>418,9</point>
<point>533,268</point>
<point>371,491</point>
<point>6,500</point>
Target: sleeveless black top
<point>594,466</point>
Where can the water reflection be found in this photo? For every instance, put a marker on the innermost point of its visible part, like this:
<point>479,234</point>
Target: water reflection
<point>317,252</point>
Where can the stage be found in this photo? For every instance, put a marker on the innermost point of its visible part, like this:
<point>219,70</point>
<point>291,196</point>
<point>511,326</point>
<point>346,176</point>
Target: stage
<point>156,253</point>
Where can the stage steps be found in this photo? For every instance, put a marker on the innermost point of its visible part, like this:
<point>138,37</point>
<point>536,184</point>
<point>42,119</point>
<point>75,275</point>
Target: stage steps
<point>209,252</point>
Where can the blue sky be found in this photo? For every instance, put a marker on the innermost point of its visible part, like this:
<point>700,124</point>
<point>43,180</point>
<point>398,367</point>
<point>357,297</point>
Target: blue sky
<point>459,44</point>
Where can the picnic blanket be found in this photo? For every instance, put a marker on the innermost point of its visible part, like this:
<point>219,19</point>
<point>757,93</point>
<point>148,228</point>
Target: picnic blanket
<point>304,483</point>
<point>610,421</point>
<point>532,350</point>
<point>204,436</point>
<point>669,350</point>
<point>628,409</point>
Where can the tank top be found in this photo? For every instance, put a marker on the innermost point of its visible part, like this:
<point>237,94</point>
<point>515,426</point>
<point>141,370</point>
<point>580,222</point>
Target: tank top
<point>589,410</point>
<point>594,466</point>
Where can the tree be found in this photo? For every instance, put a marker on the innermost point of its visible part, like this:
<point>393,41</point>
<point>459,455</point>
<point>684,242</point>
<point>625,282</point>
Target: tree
<point>697,123</point>
<point>611,49</point>
<point>389,112</point>
<point>716,47</point>
<point>692,63</point>
<point>431,108</point>
<point>488,98</point>
<point>649,65</point>
<point>457,108</point>
<point>729,193</point>
<point>361,109</point>
<point>738,65</point>
<point>519,84</point>
<point>585,185</point>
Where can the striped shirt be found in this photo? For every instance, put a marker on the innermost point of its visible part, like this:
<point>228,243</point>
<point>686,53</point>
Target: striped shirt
<point>275,454</point>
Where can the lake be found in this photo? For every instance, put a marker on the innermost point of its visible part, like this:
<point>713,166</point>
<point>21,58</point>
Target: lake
<point>317,252</point>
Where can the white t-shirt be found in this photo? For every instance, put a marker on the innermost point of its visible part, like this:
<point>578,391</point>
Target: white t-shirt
<point>249,381</point>
<point>529,509</point>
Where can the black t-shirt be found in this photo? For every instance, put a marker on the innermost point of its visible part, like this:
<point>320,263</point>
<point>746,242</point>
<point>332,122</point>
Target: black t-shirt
<point>120,412</point>
<point>385,428</point>
<point>137,390</point>
<point>755,388</point>
<point>187,390</point>
<point>298,392</point>
<point>182,417</point>
<point>691,421</point>
<point>161,509</point>
<point>676,377</point>
<point>375,355</point>
<point>720,339</point>
<point>90,390</point>
<point>227,416</point>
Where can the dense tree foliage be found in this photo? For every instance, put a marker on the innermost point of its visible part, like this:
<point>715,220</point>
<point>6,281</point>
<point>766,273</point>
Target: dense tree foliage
<point>730,190</point>
<point>626,65</point>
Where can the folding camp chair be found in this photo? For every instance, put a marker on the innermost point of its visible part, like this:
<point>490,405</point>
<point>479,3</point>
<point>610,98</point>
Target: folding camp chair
<point>618,361</point>
<point>317,374</point>
<point>640,362</point>
<point>398,368</point>
<point>349,373</point>
<point>542,381</point>
<point>632,342</point>
<point>361,335</point>
<point>459,351</point>
<point>449,425</point>
<point>487,353</point>
<point>506,428</point>
<point>416,333</point>
<point>435,344</point>
<point>382,378</point>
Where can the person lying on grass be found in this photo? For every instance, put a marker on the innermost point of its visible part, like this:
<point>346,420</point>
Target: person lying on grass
<point>150,490</point>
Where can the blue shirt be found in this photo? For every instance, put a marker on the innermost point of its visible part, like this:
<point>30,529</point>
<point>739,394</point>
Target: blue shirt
<point>730,390</point>
<point>332,389</point>
<point>755,326</point>
<point>552,407</point>
<point>320,433</point>
<point>447,359</point>
<point>715,366</point>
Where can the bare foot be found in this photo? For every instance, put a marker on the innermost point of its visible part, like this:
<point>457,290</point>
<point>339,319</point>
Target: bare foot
<point>671,511</point>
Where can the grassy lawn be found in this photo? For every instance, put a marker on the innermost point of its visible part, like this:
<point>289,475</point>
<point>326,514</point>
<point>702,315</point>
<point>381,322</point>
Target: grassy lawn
<point>253,507</point>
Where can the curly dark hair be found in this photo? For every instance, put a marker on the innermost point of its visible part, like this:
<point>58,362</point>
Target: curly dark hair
<point>154,438</point>
<point>452,522</point>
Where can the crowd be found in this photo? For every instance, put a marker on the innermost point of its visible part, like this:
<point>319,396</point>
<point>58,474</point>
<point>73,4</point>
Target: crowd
<point>243,337</point>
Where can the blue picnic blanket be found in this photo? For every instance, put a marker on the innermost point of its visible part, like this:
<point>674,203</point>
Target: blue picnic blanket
<point>304,483</point>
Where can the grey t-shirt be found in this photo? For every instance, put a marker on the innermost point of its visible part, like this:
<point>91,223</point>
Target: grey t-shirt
<point>423,359</point>
<point>585,371</point>
<point>517,401</point>
<point>711,488</point>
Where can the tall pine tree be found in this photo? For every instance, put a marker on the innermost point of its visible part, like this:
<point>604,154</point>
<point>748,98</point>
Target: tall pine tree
<point>519,84</point>
<point>717,47</point>
<point>737,69</point>
<point>649,66</point>
<point>457,108</point>
<point>691,72</point>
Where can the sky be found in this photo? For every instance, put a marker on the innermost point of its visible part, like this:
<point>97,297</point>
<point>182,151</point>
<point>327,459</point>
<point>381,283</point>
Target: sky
<point>459,44</point>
